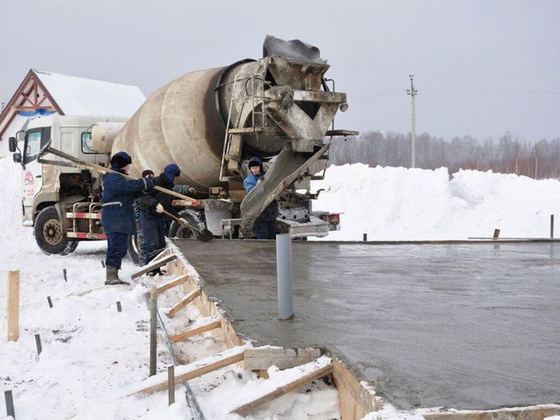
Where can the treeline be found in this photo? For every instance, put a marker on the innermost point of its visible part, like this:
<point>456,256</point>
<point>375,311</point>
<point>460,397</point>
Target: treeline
<point>507,154</point>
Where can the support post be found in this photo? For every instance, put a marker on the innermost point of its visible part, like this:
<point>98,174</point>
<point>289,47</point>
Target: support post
<point>551,226</point>
<point>284,276</point>
<point>171,384</point>
<point>496,234</point>
<point>153,332</point>
<point>13,305</point>
<point>365,237</point>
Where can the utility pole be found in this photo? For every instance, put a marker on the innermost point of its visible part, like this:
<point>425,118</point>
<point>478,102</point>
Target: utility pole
<point>413,92</point>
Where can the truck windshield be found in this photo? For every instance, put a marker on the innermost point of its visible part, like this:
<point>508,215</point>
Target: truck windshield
<point>33,144</point>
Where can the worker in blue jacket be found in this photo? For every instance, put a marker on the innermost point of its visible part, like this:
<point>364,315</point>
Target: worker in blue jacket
<point>117,214</point>
<point>152,220</point>
<point>265,225</point>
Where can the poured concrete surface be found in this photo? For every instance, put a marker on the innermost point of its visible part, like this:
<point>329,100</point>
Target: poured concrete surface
<point>463,326</point>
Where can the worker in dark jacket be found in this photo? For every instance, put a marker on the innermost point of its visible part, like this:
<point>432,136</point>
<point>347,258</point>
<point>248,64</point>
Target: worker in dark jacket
<point>152,222</point>
<point>265,225</point>
<point>117,214</point>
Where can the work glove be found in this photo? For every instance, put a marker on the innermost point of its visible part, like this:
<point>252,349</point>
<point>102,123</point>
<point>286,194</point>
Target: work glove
<point>159,208</point>
<point>191,190</point>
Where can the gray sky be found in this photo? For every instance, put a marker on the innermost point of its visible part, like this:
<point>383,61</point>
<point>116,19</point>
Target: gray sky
<point>481,67</point>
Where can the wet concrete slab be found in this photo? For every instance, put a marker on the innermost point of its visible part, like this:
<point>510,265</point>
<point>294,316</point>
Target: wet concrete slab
<point>468,326</point>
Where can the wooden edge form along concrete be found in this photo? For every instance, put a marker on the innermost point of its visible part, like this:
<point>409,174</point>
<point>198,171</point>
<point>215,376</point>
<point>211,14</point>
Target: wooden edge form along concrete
<point>536,412</point>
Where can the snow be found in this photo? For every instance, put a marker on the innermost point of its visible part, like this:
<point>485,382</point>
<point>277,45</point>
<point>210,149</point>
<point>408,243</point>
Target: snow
<point>81,96</point>
<point>92,354</point>
<point>417,204</point>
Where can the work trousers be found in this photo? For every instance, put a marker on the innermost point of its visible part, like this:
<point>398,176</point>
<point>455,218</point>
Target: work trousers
<point>153,232</point>
<point>117,245</point>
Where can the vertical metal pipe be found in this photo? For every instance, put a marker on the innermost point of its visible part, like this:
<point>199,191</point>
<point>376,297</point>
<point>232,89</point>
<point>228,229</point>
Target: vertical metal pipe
<point>10,411</point>
<point>284,276</point>
<point>551,226</point>
<point>153,332</point>
<point>38,344</point>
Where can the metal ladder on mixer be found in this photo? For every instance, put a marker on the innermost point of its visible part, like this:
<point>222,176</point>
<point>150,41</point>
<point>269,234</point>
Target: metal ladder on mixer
<point>233,141</point>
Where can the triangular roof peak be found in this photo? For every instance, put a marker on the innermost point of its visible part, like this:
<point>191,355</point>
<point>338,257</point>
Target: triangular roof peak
<point>43,92</point>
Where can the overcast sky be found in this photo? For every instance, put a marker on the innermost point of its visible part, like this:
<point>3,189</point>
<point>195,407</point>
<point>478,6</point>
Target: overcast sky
<point>481,67</point>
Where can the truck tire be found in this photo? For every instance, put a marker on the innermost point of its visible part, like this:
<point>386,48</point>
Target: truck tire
<point>134,249</point>
<point>49,233</point>
<point>178,231</point>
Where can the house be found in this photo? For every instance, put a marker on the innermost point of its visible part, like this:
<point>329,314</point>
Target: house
<point>44,93</point>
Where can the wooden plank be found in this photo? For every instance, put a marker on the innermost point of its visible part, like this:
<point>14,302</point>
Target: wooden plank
<point>153,265</point>
<point>208,326</point>
<point>184,302</point>
<point>170,284</point>
<point>261,358</point>
<point>13,305</point>
<point>520,413</point>
<point>193,370</point>
<point>354,400</point>
<point>293,384</point>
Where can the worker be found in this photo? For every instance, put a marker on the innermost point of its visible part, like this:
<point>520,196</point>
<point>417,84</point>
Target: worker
<point>152,221</point>
<point>265,224</point>
<point>148,173</point>
<point>117,214</point>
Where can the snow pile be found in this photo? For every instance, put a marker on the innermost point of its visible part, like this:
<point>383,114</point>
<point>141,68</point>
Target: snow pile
<point>418,204</point>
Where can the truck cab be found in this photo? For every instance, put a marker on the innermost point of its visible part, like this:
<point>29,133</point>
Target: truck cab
<point>52,190</point>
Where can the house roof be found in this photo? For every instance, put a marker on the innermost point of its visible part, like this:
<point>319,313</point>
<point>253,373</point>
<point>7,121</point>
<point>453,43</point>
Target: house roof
<point>80,96</point>
<point>44,92</point>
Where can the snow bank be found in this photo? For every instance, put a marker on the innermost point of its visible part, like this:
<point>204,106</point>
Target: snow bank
<point>417,204</point>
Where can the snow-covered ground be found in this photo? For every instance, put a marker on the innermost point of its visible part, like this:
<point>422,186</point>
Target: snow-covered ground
<point>93,355</point>
<point>418,204</point>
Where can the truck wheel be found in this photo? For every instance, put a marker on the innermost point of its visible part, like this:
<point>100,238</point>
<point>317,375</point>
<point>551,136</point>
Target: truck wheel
<point>134,249</point>
<point>178,231</point>
<point>49,233</point>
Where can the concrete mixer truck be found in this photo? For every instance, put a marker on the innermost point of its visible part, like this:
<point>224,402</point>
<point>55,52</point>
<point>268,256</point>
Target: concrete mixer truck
<point>209,122</point>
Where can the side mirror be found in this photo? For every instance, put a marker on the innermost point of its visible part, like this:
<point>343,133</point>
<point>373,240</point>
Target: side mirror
<point>20,135</point>
<point>12,146</point>
<point>17,157</point>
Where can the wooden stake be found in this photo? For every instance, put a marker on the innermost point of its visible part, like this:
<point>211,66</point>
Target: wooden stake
<point>64,274</point>
<point>50,301</point>
<point>171,384</point>
<point>13,305</point>
<point>119,307</point>
<point>184,302</point>
<point>496,234</point>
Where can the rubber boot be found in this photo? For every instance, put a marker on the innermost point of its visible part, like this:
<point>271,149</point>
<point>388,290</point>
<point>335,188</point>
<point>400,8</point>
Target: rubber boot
<point>113,276</point>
